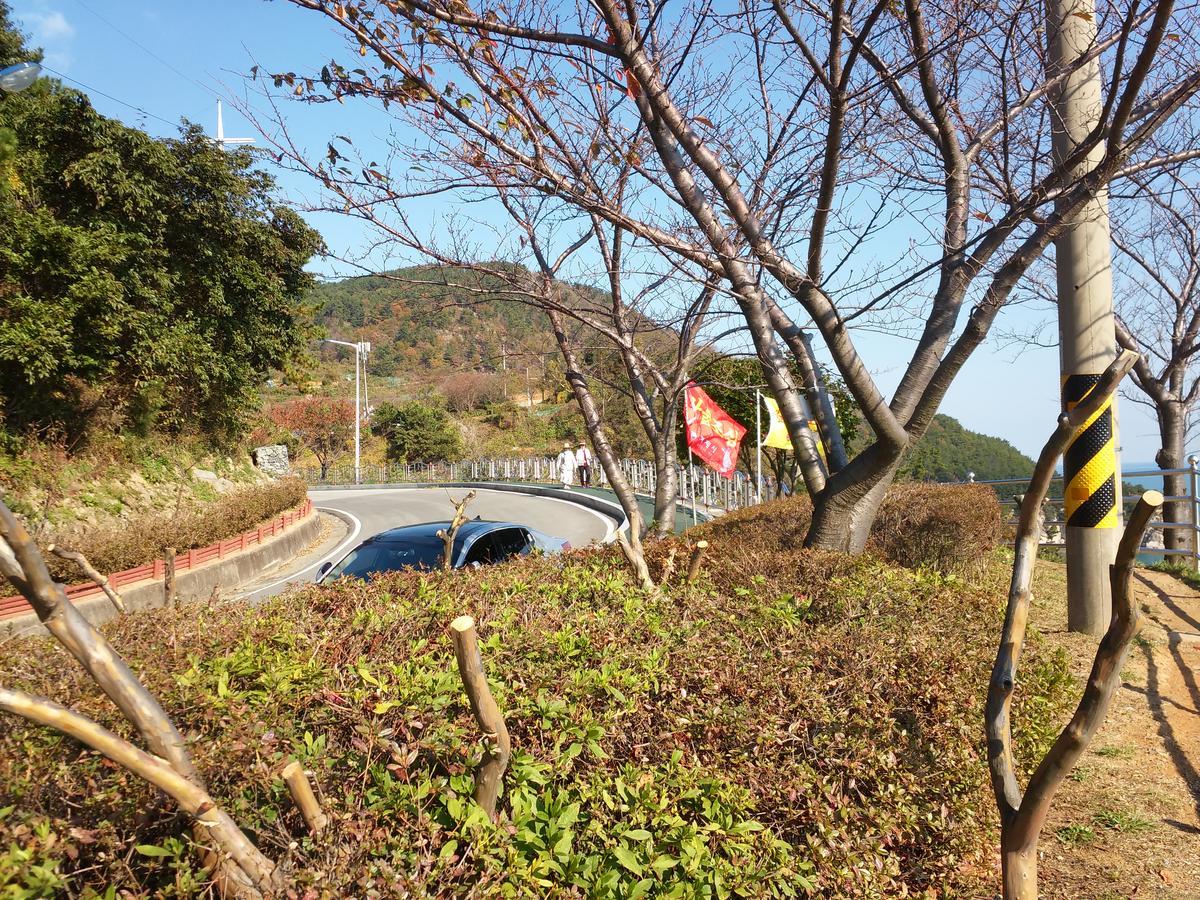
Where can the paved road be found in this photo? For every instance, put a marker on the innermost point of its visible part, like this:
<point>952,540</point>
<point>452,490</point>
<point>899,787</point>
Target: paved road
<point>370,511</point>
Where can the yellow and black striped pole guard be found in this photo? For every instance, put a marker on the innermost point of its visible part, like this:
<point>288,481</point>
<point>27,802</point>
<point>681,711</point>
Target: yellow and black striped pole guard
<point>1090,462</point>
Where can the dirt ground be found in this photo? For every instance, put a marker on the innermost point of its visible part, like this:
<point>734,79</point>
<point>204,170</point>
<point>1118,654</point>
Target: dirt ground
<point>1127,822</point>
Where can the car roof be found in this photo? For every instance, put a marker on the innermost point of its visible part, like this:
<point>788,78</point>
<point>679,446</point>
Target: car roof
<point>427,531</point>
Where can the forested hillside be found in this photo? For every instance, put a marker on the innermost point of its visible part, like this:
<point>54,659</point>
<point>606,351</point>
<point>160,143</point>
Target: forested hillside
<point>948,452</point>
<point>422,327</point>
<point>424,331</point>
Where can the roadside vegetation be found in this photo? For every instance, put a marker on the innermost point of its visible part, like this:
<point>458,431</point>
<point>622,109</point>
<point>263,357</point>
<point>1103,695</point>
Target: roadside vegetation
<point>796,722</point>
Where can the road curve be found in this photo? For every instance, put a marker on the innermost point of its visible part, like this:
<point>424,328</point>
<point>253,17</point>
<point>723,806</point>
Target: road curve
<point>372,510</point>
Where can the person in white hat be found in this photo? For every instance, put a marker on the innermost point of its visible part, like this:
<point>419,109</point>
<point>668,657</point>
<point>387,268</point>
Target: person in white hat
<point>566,465</point>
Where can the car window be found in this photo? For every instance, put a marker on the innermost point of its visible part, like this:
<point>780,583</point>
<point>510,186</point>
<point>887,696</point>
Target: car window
<point>483,551</point>
<point>372,558</point>
<point>512,542</point>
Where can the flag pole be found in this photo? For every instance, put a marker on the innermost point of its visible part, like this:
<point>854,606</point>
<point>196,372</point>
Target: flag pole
<point>692,481</point>
<point>758,454</point>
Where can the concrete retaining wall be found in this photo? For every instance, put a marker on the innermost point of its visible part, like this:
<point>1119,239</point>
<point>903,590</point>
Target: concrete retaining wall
<point>194,584</point>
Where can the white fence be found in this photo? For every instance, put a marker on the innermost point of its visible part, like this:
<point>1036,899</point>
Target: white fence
<point>709,488</point>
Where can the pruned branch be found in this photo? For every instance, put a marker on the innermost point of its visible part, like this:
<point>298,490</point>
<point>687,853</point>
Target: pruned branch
<point>449,534</point>
<point>195,801</point>
<point>24,567</point>
<point>498,748</point>
<point>1022,815</point>
<point>90,572</point>
<point>306,801</point>
<point>696,561</point>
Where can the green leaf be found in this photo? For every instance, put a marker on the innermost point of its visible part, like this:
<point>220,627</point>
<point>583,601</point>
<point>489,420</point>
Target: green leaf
<point>628,859</point>
<point>562,847</point>
<point>152,850</point>
<point>637,834</point>
<point>663,863</point>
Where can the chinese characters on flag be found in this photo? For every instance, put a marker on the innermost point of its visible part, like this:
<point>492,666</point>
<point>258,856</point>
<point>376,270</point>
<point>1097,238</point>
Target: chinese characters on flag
<point>711,434</point>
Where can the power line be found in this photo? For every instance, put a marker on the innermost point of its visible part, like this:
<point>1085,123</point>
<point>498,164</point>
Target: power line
<point>148,51</point>
<point>92,90</point>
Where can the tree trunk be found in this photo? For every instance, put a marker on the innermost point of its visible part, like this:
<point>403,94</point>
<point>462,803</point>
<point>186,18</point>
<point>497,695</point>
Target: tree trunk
<point>844,512</point>
<point>632,547</point>
<point>1019,868</point>
<point>666,477</point>
<point>1171,429</point>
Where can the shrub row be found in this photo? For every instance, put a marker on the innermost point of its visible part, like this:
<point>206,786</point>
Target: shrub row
<point>947,528</point>
<point>797,723</point>
<point>950,528</point>
<point>113,548</point>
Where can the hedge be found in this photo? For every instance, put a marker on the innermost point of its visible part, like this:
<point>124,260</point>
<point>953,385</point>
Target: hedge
<point>796,723</point>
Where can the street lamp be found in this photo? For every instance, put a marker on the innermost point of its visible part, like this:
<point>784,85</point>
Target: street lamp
<point>361,349</point>
<point>18,77</point>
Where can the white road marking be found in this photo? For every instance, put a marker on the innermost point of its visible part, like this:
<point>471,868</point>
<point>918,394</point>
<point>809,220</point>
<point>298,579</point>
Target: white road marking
<point>332,555</point>
<point>610,531</point>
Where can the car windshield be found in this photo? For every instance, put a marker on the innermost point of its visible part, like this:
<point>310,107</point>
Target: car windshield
<point>379,557</point>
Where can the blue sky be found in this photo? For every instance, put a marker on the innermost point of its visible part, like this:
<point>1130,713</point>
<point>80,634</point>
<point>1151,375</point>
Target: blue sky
<point>160,62</point>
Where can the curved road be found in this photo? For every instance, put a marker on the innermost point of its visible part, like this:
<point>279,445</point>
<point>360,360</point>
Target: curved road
<point>372,510</point>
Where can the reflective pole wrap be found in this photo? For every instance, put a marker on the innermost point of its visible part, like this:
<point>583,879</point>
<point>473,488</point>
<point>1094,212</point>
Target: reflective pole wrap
<point>1090,462</point>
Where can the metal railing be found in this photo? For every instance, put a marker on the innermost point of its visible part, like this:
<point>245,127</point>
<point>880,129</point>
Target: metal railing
<point>1010,490</point>
<point>708,488</point>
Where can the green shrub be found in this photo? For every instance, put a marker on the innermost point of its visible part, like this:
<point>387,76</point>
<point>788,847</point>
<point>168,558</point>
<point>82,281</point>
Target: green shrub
<point>950,528</point>
<point>113,548</point>
<point>797,723</point>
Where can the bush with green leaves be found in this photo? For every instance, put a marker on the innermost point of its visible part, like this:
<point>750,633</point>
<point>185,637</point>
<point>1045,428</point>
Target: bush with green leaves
<point>417,433</point>
<point>148,284</point>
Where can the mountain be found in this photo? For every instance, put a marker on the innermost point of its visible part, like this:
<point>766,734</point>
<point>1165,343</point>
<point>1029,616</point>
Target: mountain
<point>948,452</point>
<point>423,328</point>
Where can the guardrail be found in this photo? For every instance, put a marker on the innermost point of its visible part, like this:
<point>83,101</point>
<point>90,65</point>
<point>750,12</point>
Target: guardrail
<point>709,488</point>
<point>1052,534</point>
<point>185,560</point>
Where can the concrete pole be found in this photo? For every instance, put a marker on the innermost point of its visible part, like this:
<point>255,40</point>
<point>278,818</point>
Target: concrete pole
<point>357,416</point>
<point>1087,335</point>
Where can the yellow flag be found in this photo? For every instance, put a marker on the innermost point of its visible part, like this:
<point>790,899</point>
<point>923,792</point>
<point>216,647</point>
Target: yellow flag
<point>777,434</point>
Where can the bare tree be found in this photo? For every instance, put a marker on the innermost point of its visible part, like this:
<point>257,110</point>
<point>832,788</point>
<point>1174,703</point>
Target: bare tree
<point>1156,232</point>
<point>1022,815</point>
<point>785,149</point>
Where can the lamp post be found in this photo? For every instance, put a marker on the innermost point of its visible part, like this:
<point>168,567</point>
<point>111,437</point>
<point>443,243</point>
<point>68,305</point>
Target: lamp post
<point>18,77</point>
<point>361,349</point>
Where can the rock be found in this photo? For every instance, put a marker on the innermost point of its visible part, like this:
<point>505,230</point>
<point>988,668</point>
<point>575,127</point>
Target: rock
<point>273,459</point>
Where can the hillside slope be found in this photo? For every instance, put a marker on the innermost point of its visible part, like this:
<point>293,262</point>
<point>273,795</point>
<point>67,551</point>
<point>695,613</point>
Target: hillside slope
<point>948,452</point>
<point>422,328</point>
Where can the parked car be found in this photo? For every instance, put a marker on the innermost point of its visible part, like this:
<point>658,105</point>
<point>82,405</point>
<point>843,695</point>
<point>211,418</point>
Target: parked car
<point>478,543</point>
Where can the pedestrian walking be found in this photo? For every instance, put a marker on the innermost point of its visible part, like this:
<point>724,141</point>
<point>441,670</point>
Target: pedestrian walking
<point>566,465</point>
<point>583,463</point>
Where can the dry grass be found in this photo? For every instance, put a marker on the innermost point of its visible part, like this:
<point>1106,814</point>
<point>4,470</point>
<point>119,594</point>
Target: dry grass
<point>125,545</point>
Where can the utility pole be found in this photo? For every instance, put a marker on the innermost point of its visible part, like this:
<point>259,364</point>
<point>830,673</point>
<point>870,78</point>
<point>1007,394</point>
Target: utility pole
<point>1087,333</point>
<point>361,349</point>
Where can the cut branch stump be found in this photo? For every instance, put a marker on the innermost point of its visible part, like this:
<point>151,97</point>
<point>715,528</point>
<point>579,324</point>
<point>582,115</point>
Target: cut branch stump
<point>487,714</point>
<point>306,801</point>
<point>696,561</point>
<point>169,592</point>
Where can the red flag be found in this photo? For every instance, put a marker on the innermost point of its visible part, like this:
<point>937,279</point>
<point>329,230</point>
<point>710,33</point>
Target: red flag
<point>711,434</point>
